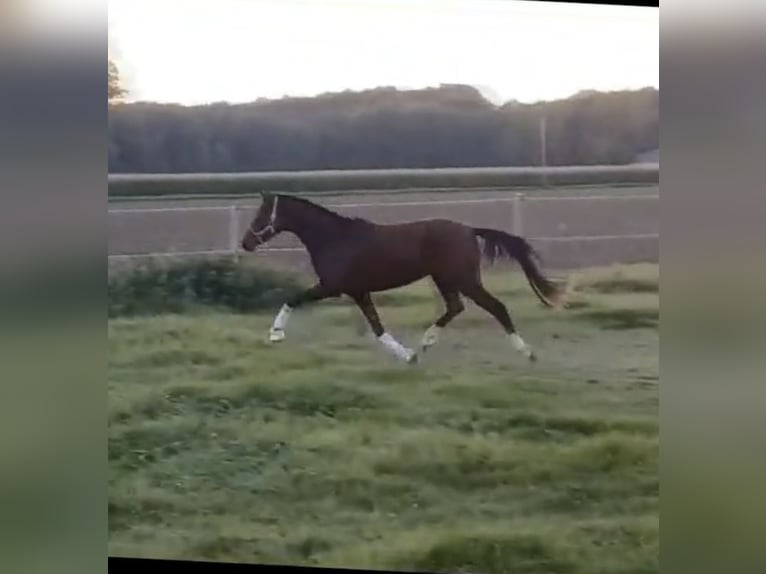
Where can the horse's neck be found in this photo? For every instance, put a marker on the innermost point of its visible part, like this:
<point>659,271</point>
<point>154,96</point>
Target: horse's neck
<point>315,232</point>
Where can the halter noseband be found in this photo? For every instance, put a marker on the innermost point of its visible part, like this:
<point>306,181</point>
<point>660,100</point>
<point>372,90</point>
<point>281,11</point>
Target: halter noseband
<point>270,226</point>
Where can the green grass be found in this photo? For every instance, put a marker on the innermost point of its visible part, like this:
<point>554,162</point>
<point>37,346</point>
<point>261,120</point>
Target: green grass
<point>641,278</point>
<point>185,287</point>
<point>324,451</point>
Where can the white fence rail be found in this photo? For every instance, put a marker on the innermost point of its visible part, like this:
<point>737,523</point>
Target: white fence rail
<point>140,233</point>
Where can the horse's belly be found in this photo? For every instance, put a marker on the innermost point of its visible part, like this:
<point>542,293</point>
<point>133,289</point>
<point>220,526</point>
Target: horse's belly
<point>384,283</point>
<point>380,272</point>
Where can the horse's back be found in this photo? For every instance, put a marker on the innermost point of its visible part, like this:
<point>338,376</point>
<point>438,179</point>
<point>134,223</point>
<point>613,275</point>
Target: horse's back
<point>434,227</point>
<point>445,247</point>
<point>391,255</point>
<point>433,233</point>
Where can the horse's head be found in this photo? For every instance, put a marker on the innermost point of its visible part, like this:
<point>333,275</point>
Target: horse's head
<point>264,225</point>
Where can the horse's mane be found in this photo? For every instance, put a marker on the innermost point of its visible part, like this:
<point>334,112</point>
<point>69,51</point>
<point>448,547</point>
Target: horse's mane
<point>321,209</point>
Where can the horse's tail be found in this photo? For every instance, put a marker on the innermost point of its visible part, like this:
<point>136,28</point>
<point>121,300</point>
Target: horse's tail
<point>498,243</point>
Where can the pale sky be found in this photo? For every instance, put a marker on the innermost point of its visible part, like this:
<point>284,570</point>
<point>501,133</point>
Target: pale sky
<point>201,51</point>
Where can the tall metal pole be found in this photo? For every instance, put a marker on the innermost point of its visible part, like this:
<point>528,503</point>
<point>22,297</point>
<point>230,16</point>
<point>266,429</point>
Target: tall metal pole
<point>544,149</point>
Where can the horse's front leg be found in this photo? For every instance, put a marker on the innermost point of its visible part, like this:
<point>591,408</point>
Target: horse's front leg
<point>312,295</point>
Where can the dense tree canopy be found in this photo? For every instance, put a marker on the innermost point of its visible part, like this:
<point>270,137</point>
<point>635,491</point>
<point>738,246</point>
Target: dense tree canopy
<point>450,126</point>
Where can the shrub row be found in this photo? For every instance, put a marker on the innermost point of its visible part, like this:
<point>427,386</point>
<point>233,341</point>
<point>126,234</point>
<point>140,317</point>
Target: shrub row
<point>145,185</point>
<point>181,287</point>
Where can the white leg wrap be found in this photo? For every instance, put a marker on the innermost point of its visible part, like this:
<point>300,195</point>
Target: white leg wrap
<point>277,332</point>
<point>431,336</point>
<point>395,347</point>
<point>280,322</point>
<point>519,345</point>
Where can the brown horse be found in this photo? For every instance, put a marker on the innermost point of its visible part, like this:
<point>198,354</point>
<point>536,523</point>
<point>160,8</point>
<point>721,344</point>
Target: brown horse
<point>356,257</point>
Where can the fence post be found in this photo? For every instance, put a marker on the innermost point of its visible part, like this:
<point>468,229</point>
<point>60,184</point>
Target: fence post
<point>544,149</point>
<point>234,232</point>
<point>518,215</point>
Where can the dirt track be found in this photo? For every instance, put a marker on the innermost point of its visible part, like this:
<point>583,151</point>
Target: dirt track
<point>546,221</point>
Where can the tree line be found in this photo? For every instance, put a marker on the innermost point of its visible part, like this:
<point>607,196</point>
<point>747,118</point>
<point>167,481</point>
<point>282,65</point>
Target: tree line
<point>384,128</point>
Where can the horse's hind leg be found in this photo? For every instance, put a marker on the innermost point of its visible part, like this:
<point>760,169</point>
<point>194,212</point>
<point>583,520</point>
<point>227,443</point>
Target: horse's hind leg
<point>478,294</point>
<point>365,304</point>
<point>455,306</point>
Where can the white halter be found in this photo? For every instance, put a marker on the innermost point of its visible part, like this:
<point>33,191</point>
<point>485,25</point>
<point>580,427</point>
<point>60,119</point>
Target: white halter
<point>270,226</point>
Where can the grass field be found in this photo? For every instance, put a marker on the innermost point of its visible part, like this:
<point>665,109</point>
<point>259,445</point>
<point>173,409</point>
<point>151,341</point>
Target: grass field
<point>324,451</point>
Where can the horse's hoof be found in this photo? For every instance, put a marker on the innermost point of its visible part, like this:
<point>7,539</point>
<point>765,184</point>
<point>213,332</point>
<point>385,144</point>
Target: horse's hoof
<point>413,359</point>
<point>275,336</point>
<point>532,357</point>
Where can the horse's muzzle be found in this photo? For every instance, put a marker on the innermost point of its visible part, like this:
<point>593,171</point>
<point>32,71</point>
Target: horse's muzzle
<point>249,243</point>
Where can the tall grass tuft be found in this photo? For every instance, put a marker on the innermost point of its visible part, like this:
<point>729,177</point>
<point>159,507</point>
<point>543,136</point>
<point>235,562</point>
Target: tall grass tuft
<point>182,287</point>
